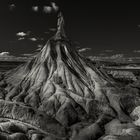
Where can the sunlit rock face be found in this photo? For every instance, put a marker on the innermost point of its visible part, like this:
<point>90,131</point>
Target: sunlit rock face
<point>58,95</point>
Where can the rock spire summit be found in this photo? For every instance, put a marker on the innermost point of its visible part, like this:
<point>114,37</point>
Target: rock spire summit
<point>60,27</point>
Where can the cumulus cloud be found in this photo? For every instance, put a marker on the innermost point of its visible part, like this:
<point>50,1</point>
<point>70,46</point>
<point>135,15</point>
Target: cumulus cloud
<point>33,39</point>
<point>47,9</point>
<point>35,8</point>
<point>136,51</point>
<point>84,49</point>
<point>54,6</point>
<point>21,34</point>
<point>12,6</point>
<point>21,38</point>
<point>52,29</point>
<point>40,46</point>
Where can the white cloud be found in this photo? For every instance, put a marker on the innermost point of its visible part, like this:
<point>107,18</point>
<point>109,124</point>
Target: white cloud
<point>35,8</point>
<point>84,49</point>
<point>47,9</point>
<point>52,29</point>
<point>21,38</point>
<point>33,39</point>
<point>136,51</point>
<point>54,6</point>
<point>22,34</point>
<point>12,6</point>
<point>40,46</point>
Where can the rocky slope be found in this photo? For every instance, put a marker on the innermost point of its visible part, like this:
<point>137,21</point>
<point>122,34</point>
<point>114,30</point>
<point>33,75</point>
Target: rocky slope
<point>59,95</point>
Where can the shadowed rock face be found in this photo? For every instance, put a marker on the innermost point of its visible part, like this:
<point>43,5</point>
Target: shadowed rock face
<point>57,95</point>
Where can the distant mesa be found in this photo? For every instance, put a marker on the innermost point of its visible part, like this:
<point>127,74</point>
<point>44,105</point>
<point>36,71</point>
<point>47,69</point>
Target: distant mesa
<point>3,54</point>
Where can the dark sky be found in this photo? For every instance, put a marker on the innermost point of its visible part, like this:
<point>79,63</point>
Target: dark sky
<point>101,26</point>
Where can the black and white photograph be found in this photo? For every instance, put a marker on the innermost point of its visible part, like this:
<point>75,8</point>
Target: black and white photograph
<point>69,70</point>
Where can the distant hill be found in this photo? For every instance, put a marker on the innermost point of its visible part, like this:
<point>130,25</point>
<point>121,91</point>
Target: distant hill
<point>15,59</point>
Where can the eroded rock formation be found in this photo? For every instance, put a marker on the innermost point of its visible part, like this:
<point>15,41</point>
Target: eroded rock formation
<point>58,95</point>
